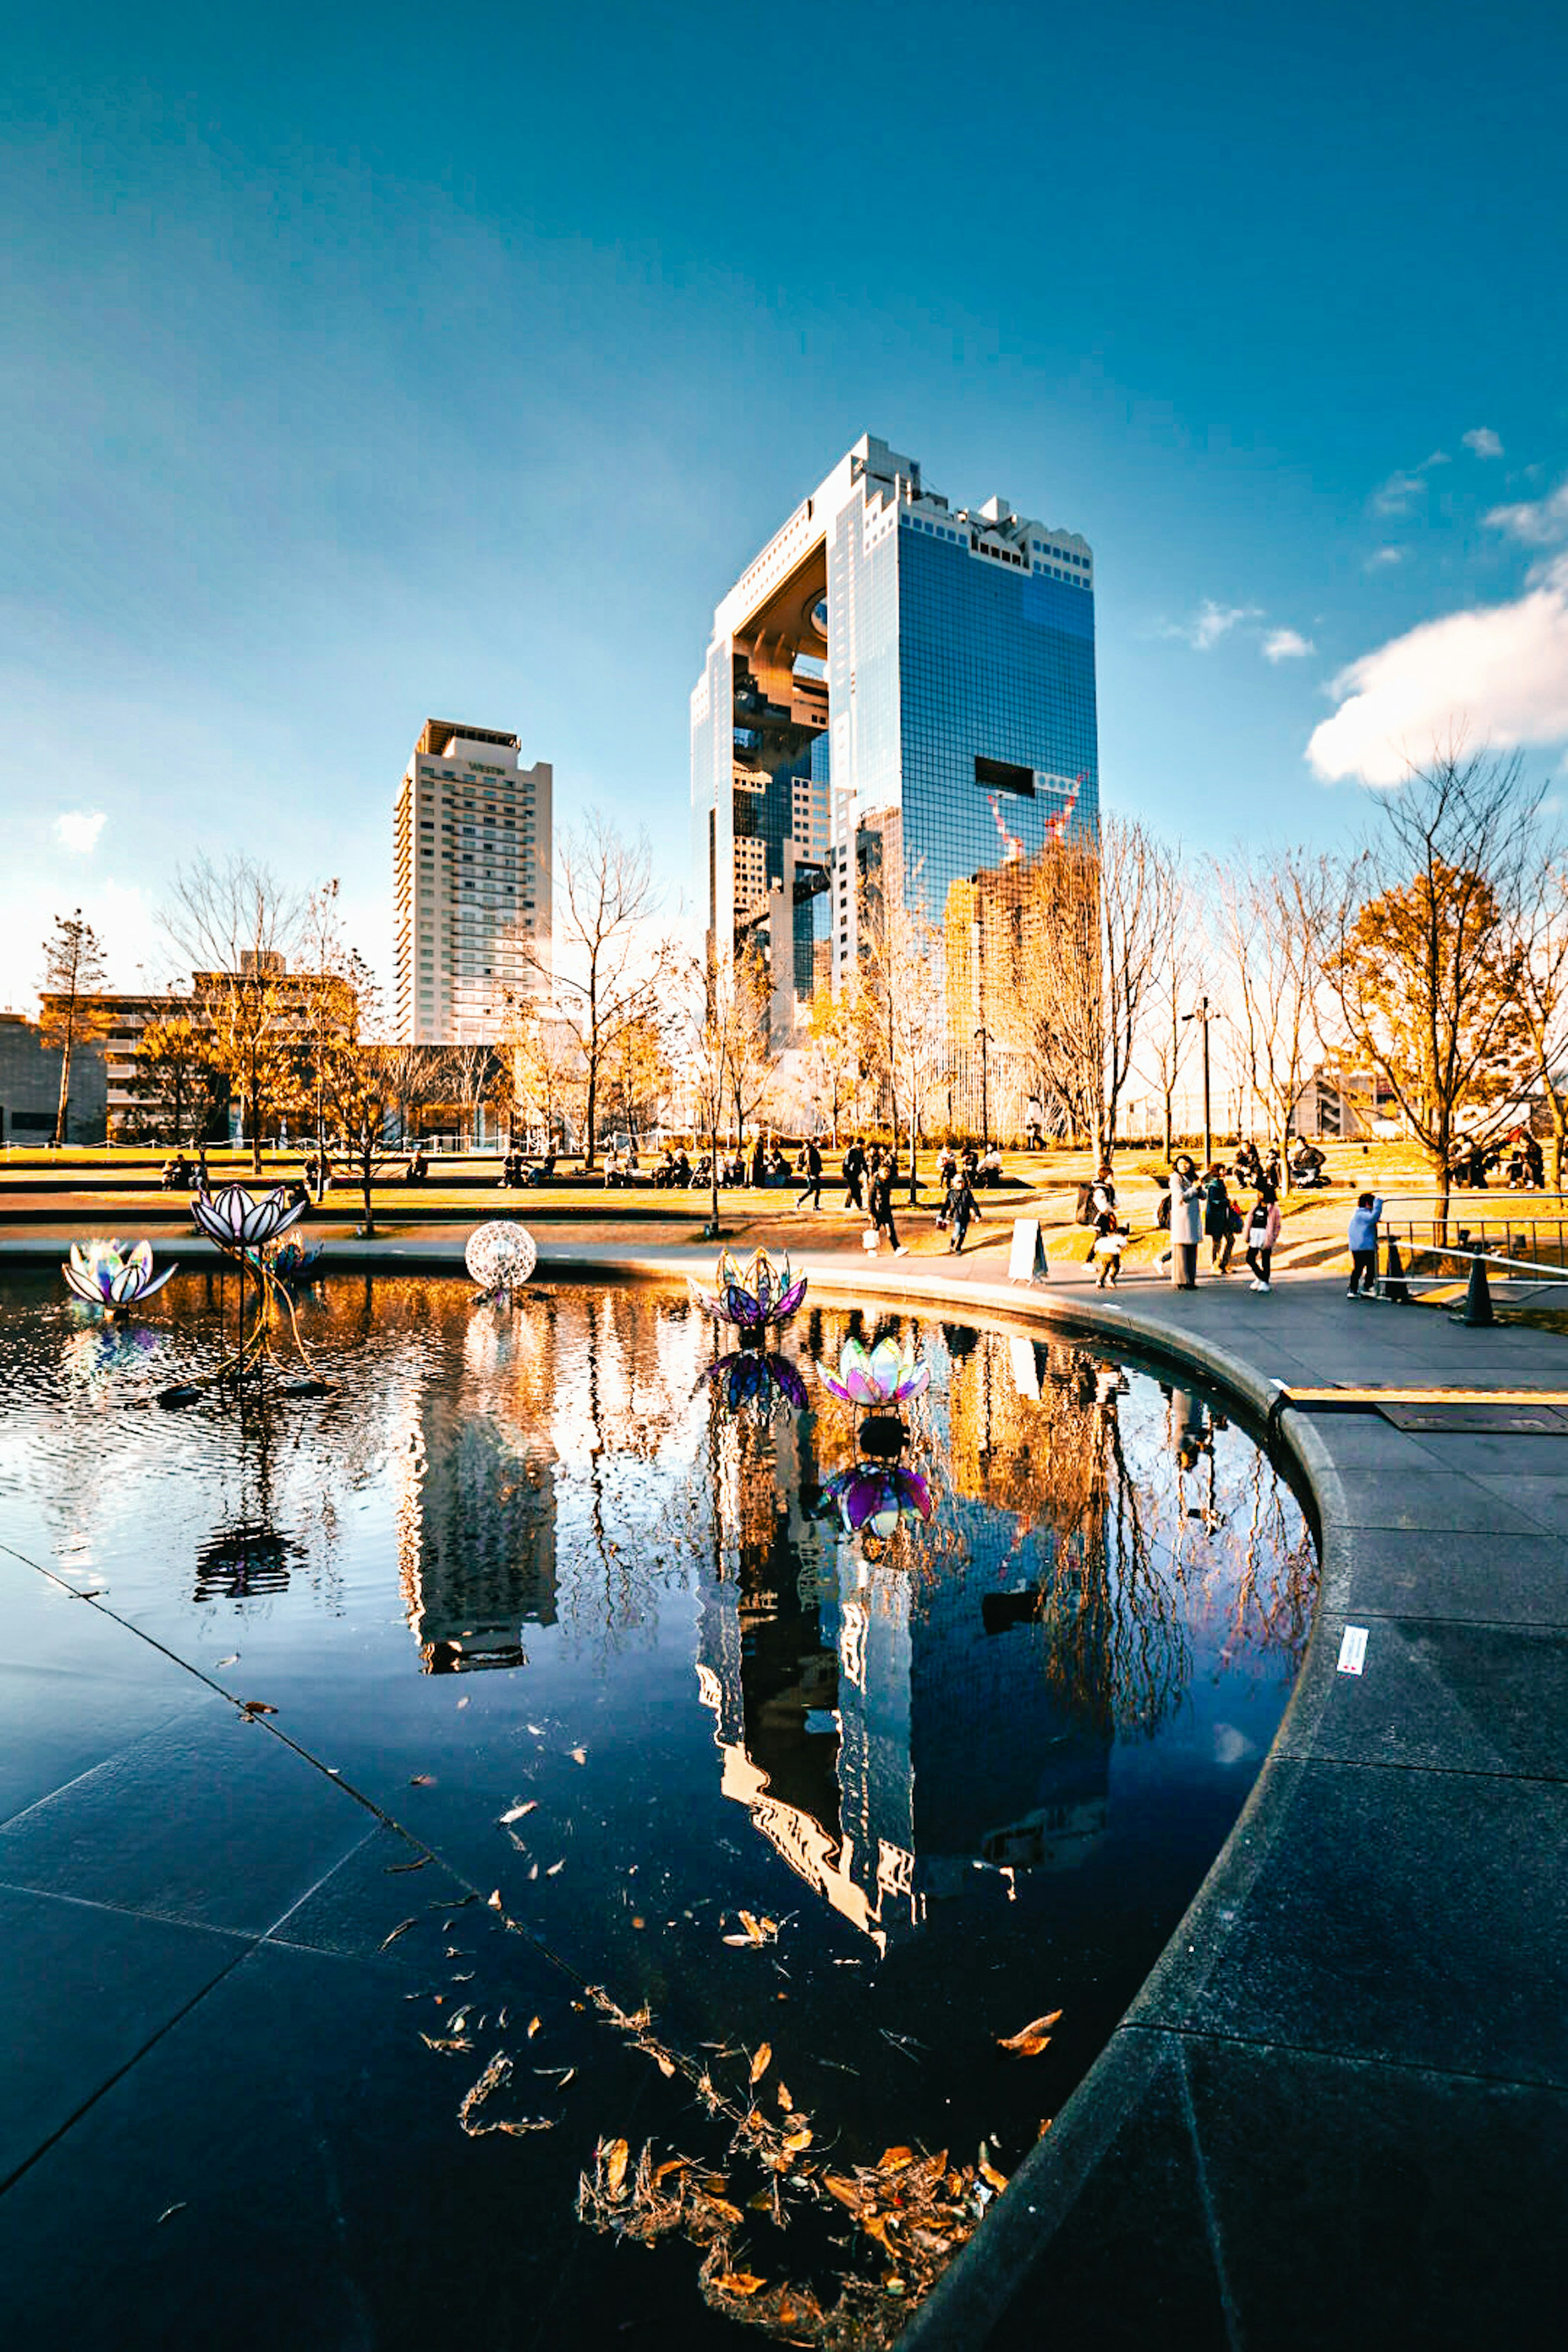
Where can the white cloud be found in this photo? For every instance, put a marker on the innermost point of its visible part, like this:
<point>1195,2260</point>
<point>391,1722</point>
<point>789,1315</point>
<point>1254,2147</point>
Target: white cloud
<point>1483,442</point>
<point>1380,557</point>
<point>1285,645</point>
<point>78,831</point>
<point>1211,622</point>
<point>1400,492</point>
<point>1499,670</point>
<point>1540,522</point>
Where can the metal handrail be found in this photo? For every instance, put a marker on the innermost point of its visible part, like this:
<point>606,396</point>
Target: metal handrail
<point>1546,1275</point>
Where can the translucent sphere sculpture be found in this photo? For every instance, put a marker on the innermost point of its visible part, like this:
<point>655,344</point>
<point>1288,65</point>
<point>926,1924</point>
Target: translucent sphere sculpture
<point>499,1256</point>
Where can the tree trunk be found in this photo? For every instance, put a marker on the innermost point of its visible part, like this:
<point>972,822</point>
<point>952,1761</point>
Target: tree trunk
<point>65,1089</point>
<point>253,1107</point>
<point>590,1109</point>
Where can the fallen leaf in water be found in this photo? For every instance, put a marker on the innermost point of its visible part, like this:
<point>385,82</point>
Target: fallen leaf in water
<point>988,2171</point>
<point>515,1812</point>
<point>666,2065</point>
<point>744,1940</point>
<point>171,2209</point>
<point>451,2042</point>
<point>459,2021</point>
<point>636,1921</point>
<point>462,1701</point>
<point>401,1930</point>
<point>671,2164</point>
<point>846,2191</point>
<point>721,2205</point>
<point>895,2159</point>
<point>1030,2040</point>
<point>739,2282</point>
<point>752,1928</point>
<point>579,1755</point>
<point>533,1870</point>
<point>615,2156</point>
<point>232,1660</point>
<point>397,1869</point>
<point>532,2027</point>
<point>555,1866</point>
<point>494,1900</point>
<point>422,1780</point>
<point>762,2061</point>
<point>257,1707</point>
<point>795,2141</point>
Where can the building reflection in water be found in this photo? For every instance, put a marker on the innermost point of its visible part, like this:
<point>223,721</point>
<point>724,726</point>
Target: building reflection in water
<point>476,1514</point>
<point>891,1721</point>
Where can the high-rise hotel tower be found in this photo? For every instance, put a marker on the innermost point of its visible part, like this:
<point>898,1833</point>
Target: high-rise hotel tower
<point>472,848</point>
<point>892,682</point>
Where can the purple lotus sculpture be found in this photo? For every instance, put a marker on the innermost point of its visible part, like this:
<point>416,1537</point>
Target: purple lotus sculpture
<point>756,1376</point>
<point>236,1221</point>
<point>875,1376</point>
<point>107,1274</point>
<point>291,1261</point>
<point>871,1498</point>
<point>752,1295</point>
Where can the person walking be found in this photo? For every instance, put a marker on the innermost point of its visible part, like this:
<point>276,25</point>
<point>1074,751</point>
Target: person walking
<point>1262,1233</point>
<point>1218,1223</point>
<point>881,1205</point>
<point>1106,1249</point>
<point>963,1208</point>
<point>1186,1223</point>
<point>1364,1246</point>
<point>811,1168</point>
<point>853,1170</point>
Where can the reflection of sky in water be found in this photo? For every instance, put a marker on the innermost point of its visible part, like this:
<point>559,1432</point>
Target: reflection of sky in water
<point>992,1755</point>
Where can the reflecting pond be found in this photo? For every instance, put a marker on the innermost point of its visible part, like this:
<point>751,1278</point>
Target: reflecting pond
<point>730,1780</point>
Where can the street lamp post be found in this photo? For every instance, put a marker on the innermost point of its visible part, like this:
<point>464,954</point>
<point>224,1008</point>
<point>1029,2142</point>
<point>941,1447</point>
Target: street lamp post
<point>1201,1014</point>
<point>984,1094</point>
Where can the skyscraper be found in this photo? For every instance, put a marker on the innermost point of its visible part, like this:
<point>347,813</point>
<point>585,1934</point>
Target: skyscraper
<point>892,682</point>
<point>472,850</point>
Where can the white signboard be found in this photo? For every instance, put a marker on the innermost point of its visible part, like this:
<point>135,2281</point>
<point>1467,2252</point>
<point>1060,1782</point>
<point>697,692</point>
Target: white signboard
<point>1027,1262</point>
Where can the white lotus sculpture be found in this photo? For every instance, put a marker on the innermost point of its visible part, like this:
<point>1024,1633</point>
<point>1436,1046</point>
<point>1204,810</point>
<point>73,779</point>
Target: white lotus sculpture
<point>235,1220</point>
<point>107,1274</point>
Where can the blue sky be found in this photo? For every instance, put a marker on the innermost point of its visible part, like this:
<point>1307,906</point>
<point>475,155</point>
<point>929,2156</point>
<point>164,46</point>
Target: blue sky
<point>362,365</point>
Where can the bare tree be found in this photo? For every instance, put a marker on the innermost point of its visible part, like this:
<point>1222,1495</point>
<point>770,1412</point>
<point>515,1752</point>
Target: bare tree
<point>73,975</point>
<point>327,1010</point>
<point>1140,891</point>
<point>751,1055</point>
<point>1166,1037</point>
<point>541,1067</point>
<point>1539,919</point>
<point>236,926</point>
<point>706,1015</point>
<point>602,966</point>
<point>371,1078</point>
<point>902,972</point>
<point>1277,914</point>
<point>1424,969</point>
<point>470,1072</point>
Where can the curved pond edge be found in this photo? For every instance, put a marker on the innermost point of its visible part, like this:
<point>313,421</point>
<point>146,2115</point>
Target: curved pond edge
<point>1337,2110</point>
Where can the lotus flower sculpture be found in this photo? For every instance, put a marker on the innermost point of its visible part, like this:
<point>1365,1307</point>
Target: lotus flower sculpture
<point>756,1376</point>
<point>875,1376</point>
<point>107,1274</point>
<point>236,1221</point>
<point>754,1294</point>
<point>871,1498</point>
<point>291,1261</point>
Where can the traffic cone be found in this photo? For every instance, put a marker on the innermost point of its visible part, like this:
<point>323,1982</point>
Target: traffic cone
<point>1479,1313</point>
<point>1394,1286</point>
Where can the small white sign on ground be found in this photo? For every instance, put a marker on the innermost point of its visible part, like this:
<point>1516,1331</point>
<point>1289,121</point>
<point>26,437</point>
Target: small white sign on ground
<point>1027,1262</point>
<point>1352,1650</point>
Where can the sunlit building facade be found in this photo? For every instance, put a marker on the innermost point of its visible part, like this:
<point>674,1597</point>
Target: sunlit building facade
<point>896,683</point>
<point>471,850</point>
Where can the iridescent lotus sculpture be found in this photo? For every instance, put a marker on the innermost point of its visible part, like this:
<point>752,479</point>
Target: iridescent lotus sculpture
<point>752,1295</point>
<point>291,1261</point>
<point>107,1274</point>
<point>871,1498</point>
<point>236,1222</point>
<point>500,1257</point>
<point>875,1376</point>
<point>754,1298</point>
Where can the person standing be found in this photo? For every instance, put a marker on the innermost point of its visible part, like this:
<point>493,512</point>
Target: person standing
<point>1364,1246</point>
<point>1107,1247</point>
<point>811,1168</point>
<point>853,1170</point>
<point>1217,1220</point>
<point>1262,1233</point>
<point>881,1204</point>
<point>1186,1223</point>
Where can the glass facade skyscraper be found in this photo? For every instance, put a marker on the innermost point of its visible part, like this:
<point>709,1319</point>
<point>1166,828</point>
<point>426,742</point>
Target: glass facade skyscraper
<point>893,681</point>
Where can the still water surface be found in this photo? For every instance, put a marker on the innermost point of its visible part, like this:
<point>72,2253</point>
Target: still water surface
<point>523,1563</point>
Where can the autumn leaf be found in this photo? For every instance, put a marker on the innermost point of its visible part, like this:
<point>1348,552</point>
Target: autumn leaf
<point>762,2061</point>
<point>671,2164</point>
<point>895,2159</point>
<point>401,1930</point>
<point>801,2137</point>
<point>556,1867</point>
<point>752,1928</point>
<point>453,2042</point>
<point>616,2155</point>
<point>397,1869</point>
<point>739,2282</point>
<point>494,1901</point>
<point>1030,2040</point>
<point>232,1660</point>
<point>532,2027</point>
<point>579,1755</point>
<point>422,1780</point>
<point>517,1813</point>
<point>257,1707</point>
<point>988,2172</point>
<point>783,2097</point>
<point>744,1940</point>
<point>846,2191</point>
<point>666,2065</point>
